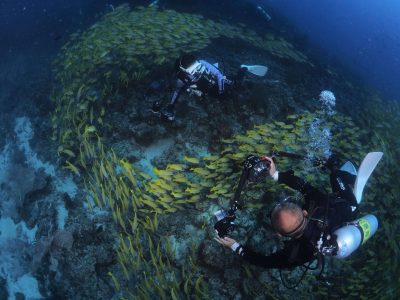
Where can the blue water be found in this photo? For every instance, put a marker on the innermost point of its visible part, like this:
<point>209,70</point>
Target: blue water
<point>43,24</point>
<point>362,34</point>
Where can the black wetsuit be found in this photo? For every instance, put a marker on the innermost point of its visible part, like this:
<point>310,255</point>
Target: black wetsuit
<point>299,251</point>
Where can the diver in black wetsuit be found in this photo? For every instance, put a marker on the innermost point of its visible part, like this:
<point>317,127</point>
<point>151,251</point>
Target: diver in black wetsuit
<point>199,78</point>
<point>316,227</point>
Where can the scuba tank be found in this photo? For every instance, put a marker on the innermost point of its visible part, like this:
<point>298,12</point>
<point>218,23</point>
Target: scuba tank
<point>349,237</point>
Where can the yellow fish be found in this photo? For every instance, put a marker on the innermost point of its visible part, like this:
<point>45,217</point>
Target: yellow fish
<point>210,158</point>
<point>68,152</point>
<point>192,160</point>
<point>200,171</point>
<point>72,168</point>
<point>193,190</point>
<point>162,173</point>
<point>175,167</point>
<point>89,129</point>
<point>180,178</point>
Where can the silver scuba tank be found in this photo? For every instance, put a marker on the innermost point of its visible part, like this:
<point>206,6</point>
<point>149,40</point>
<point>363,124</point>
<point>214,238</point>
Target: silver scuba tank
<point>352,235</point>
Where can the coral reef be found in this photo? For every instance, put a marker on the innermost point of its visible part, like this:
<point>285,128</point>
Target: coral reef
<point>123,48</point>
<point>95,71</point>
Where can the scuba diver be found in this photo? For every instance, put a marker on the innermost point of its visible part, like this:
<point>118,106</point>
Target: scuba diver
<point>326,225</point>
<point>201,78</point>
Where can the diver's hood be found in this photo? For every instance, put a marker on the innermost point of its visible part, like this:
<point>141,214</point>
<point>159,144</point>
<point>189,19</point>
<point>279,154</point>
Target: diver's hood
<point>193,69</point>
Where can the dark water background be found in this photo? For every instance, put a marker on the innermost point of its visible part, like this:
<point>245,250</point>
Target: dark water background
<point>362,35</point>
<point>34,25</point>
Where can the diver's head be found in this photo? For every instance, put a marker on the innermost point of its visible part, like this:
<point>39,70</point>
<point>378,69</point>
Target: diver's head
<point>288,219</point>
<point>188,64</point>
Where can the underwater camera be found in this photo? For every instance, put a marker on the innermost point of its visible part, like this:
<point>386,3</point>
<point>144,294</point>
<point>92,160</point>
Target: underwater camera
<point>225,222</point>
<point>254,169</point>
<point>258,168</point>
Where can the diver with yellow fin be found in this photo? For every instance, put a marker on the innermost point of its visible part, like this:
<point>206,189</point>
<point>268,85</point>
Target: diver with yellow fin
<point>200,78</point>
<point>325,225</point>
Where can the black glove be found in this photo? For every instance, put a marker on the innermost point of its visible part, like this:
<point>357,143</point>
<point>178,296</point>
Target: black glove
<point>156,107</point>
<point>333,162</point>
<point>223,96</point>
<point>224,226</point>
<point>168,114</point>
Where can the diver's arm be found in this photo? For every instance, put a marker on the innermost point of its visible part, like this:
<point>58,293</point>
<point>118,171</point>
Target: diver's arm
<point>292,255</point>
<point>288,178</point>
<point>217,74</point>
<point>280,259</point>
<point>178,90</point>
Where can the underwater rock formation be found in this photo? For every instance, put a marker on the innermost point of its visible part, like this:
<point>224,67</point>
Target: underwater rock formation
<point>164,249</point>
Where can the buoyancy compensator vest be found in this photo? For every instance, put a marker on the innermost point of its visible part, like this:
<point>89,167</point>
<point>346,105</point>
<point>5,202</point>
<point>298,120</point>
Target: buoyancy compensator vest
<point>200,82</point>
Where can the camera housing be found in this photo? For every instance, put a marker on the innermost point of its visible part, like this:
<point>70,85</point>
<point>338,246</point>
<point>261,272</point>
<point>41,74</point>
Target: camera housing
<point>255,168</point>
<point>258,168</point>
<point>225,223</point>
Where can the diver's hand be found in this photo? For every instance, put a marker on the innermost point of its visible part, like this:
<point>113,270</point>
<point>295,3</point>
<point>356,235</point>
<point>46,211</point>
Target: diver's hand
<point>228,81</point>
<point>222,96</point>
<point>226,241</point>
<point>156,107</point>
<point>272,168</point>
